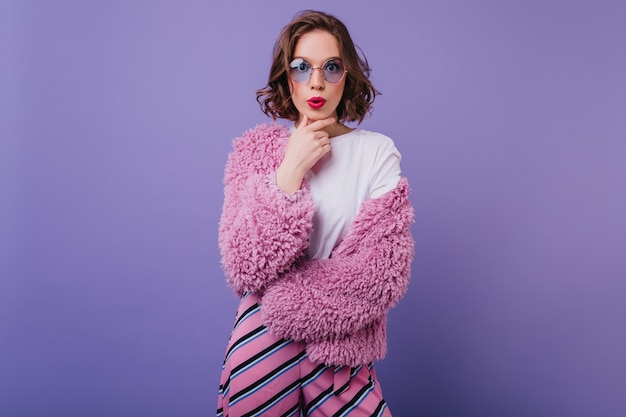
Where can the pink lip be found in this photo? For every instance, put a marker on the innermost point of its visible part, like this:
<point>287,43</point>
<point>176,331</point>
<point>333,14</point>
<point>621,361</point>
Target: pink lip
<point>316,102</point>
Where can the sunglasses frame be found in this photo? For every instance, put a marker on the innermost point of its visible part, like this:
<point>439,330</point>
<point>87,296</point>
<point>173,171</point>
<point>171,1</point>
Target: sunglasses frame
<point>311,68</point>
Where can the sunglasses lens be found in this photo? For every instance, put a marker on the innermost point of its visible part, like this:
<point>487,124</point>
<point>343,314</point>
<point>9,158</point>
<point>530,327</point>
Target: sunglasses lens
<point>299,70</point>
<point>333,70</point>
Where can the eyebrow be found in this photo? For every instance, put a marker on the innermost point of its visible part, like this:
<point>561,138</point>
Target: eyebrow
<point>323,62</point>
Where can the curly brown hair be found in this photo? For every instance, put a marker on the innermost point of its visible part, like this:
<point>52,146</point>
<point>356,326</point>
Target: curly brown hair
<point>359,93</point>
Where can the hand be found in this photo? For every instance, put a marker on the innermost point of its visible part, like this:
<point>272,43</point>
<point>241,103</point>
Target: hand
<point>308,143</point>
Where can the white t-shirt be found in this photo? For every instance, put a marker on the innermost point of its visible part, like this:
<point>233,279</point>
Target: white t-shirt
<point>361,165</point>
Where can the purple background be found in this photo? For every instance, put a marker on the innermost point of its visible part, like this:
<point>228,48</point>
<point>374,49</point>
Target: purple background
<point>116,118</point>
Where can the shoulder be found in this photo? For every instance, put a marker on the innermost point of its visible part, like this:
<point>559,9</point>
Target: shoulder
<point>379,150</point>
<point>265,135</point>
<point>368,138</point>
<point>260,148</point>
<point>394,204</point>
<point>373,136</point>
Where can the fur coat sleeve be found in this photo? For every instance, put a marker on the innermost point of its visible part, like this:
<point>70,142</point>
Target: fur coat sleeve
<point>262,230</point>
<point>368,273</point>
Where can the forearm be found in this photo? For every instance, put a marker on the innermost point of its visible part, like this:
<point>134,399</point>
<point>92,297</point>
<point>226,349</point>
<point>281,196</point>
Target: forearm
<point>366,275</point>
<point>338,296</point>
<point>262,232</point>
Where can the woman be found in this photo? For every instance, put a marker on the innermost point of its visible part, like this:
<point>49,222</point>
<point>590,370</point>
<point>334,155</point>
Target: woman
<point>314,236</point>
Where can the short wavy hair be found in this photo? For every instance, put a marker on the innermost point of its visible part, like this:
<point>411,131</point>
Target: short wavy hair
<point>359,92</point>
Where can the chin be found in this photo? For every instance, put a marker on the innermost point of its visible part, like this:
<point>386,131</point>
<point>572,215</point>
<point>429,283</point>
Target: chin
<point>319,115</point>
<point>313,114</point>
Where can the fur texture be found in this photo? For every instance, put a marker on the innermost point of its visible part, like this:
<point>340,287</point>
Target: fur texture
<point>338,305</point>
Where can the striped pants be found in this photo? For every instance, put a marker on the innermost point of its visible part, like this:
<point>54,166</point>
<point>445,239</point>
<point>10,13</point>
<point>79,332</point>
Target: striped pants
<point>266,376</point>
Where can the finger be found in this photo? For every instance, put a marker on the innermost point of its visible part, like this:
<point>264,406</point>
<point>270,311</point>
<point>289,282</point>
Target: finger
<point>304,122</point>
<point>320,124</point>
<point>324,140</point>
<point>320,135</point>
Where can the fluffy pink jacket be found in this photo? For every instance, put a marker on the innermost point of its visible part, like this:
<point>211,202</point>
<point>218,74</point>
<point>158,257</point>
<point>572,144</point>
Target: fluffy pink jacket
<point>338,305</point>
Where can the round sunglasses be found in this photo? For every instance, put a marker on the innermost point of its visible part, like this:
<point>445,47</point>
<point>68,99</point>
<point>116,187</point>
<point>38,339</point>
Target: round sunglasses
<point>333,70</point>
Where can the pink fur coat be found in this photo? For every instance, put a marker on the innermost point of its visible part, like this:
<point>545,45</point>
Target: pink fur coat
<point>337,306</point>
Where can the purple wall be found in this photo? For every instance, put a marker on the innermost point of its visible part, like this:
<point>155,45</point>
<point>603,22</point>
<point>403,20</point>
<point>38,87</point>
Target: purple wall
<point>115,122</point>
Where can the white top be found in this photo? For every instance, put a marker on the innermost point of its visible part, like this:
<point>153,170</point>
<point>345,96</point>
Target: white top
<point>361,165</point>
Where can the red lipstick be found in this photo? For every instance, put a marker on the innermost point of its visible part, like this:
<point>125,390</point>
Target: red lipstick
<point>316,102</point>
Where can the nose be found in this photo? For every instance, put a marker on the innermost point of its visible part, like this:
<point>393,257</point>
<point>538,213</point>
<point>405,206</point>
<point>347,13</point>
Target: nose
<point>317,79</point>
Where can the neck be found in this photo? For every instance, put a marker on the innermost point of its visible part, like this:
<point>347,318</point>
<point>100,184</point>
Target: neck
<point>338,129</point>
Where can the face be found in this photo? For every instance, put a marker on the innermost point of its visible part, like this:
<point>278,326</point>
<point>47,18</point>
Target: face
<point>315,96</point>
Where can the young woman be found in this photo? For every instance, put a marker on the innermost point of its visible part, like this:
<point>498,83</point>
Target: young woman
<point>314,236</point>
